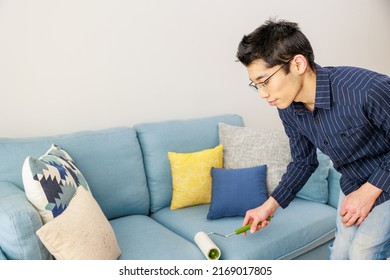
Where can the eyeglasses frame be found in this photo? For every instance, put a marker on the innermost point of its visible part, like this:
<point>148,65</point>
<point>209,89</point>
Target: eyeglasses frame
<point>263,84</point>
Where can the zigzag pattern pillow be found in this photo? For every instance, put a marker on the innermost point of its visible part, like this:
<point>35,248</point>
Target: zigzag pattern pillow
<point>51,181</point>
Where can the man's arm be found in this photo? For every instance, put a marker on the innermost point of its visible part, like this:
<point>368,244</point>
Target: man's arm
<point>358,204</point>
<point>378,111</point>
<point>303,163</point>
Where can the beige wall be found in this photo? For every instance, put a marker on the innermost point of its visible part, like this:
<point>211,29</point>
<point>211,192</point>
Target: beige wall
<point>75,65</point>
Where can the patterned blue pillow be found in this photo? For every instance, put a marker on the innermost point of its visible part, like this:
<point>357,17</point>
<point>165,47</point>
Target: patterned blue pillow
<point>51,181</point>
<point>234,191</point>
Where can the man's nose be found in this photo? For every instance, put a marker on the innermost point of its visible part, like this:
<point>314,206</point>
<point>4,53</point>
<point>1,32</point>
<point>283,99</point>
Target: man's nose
<point>263,94</point>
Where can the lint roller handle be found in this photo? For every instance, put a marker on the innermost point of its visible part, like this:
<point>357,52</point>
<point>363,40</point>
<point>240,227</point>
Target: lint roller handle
<point>247,227</point>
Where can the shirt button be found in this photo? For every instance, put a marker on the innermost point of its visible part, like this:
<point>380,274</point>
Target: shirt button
<point>316,121</point>
<point>326,142</point>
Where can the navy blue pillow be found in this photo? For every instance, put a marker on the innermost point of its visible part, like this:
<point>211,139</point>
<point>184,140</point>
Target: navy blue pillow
<point>234,191</point>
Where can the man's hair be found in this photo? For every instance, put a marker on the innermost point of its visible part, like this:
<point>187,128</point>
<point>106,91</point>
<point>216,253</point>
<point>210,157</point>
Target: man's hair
<point>275,42</point>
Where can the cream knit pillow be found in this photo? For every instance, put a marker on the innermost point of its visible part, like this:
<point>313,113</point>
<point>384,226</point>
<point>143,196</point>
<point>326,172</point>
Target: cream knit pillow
<point>81,232</point>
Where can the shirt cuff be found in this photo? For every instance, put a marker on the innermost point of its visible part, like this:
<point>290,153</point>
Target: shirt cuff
<point>283,196</point>
<point>381,178</point>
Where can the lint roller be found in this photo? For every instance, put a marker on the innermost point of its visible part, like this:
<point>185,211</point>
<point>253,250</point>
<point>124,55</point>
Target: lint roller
<point>208,247</point>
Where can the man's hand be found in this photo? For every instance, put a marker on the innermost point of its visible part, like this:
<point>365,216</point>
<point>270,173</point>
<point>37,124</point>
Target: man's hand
<point>358,204</point>
<point>258,216</point>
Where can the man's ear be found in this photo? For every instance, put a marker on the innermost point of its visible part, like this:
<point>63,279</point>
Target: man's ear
<point>299,64</point>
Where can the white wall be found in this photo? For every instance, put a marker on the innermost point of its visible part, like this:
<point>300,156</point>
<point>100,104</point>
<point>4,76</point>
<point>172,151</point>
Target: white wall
<point>75,65</point>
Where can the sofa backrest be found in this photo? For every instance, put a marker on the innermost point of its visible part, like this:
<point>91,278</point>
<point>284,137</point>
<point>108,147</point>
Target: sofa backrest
<point>334,187</point>
<point>182,136</point>
<point>110,160</point>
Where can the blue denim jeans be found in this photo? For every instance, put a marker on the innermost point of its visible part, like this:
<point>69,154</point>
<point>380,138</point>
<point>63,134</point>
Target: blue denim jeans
<point>369,241</point>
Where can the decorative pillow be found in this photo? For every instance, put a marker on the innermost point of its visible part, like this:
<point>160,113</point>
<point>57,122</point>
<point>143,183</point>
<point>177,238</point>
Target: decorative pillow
<point>51,181</point>
<point>191,176</point>
<point>234,191</point>
<point>248,147</point>
<point>81,232</point>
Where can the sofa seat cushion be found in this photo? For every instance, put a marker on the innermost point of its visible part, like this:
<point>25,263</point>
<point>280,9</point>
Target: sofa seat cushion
<point>292,231</point>
<point>142,238</point>
<point>110,160</point>
<point>181,136</point>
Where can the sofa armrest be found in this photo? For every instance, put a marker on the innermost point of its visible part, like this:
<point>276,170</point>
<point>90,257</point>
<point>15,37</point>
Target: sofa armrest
<point>18,223</point>
<point>334,187</point>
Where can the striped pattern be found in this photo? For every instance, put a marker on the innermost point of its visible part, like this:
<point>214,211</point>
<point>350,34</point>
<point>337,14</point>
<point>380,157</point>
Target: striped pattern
<point>350,124</point>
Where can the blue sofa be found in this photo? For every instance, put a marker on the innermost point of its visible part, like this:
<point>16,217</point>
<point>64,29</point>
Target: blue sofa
<point>129,175</point>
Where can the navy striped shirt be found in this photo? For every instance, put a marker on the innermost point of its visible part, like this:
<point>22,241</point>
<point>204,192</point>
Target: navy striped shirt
<point>350,123</point>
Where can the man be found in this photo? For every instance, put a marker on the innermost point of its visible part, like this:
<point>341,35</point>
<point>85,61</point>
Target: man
<point>343,111</point>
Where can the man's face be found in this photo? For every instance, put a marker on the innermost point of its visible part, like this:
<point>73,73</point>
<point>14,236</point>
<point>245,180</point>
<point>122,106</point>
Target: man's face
<point>280,90</point>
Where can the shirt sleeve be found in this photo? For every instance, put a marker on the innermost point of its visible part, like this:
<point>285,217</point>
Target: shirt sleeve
<point>303,163</point>
<point>378,111</point>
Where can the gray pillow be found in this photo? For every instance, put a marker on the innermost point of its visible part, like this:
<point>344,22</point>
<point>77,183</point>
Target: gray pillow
<point>248,147</point>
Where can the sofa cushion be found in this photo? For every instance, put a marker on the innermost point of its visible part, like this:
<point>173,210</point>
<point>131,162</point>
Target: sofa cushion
<point>18,221</point>
<point>291,232</point>
<point>142,238</point>
<point>316,188</point>
<point>191,176</point>
<point>334,187</point>
<point>248,147</point>
<point>80,232</point>
<point>51,181</point>
<point>234,191</point>
<point>111,161</point>
<point>182,136</point>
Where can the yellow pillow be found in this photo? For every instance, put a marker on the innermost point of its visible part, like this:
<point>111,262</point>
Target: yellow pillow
<point>191,176</point>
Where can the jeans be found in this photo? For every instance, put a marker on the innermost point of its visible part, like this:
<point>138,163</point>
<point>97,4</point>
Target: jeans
<point>369,241</point>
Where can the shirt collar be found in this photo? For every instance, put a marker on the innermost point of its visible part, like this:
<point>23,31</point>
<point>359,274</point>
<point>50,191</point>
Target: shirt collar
<point>323,92</point>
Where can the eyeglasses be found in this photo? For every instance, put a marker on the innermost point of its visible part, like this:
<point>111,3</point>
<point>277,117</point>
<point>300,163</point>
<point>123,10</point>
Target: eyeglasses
<point>263,84</point>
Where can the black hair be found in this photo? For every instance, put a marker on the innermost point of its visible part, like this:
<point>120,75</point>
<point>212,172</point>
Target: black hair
<point>275,42</point>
